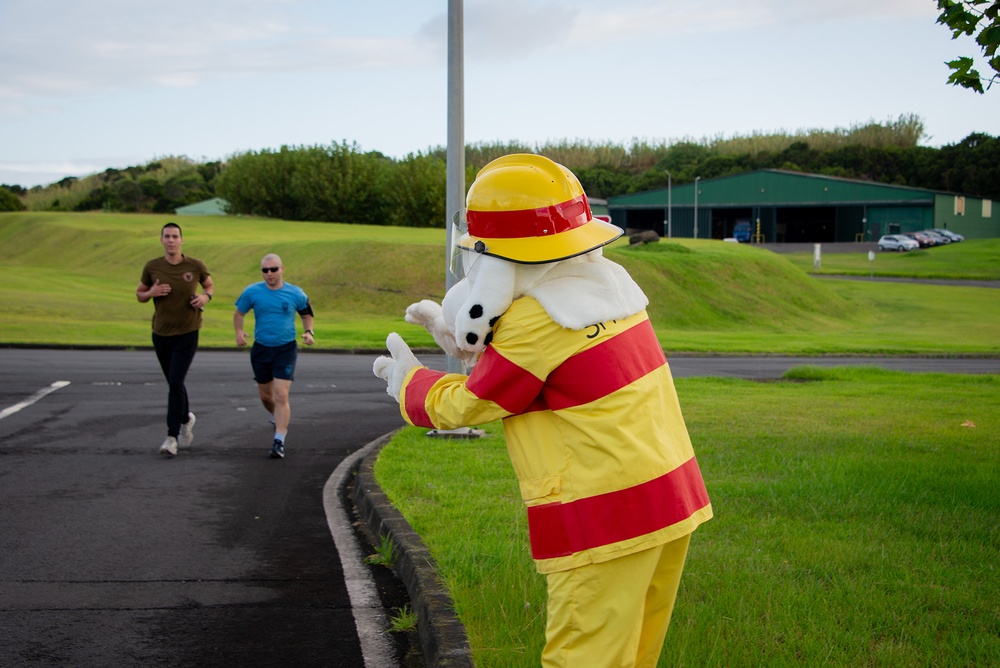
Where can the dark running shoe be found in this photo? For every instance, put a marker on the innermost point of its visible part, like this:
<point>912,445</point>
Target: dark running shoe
<point>277,450</point>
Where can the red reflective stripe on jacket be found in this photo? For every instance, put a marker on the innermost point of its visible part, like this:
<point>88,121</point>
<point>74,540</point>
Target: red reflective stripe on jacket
<point>499,380</point>
<point>561,529</point>
<point>604,369</point>
<point>416,396</point>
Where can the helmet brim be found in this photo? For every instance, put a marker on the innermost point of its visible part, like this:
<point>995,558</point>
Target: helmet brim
<point>539,250</point>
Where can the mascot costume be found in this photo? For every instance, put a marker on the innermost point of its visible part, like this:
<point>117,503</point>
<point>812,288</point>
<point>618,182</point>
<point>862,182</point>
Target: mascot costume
<point>557,344</point>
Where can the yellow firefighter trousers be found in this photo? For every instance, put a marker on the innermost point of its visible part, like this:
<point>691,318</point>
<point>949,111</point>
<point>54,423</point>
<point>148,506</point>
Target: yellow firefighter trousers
<point>613,614</point>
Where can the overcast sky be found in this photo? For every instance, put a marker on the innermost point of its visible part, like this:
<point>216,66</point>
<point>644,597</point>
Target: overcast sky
<point>91,84</point>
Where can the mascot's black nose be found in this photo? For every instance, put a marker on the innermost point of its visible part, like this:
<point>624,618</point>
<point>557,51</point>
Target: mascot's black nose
<point>471,338</point>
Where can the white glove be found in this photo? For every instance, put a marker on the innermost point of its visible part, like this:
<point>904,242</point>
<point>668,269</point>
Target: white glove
<point>429,315</point>
<point>394,369</point>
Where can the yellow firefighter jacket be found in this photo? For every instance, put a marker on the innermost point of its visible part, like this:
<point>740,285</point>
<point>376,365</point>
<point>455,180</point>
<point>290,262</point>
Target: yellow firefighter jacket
<point>593,428</point>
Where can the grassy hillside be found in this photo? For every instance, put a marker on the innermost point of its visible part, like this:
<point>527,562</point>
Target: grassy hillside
<point>714,296</point>
<point>979,260</point>
<point>71,277</point>
<point>70,280</point>
<point>711,285</point>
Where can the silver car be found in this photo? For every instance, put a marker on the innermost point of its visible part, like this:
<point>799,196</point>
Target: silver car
<point>897,242</point>
<point>948,233</point>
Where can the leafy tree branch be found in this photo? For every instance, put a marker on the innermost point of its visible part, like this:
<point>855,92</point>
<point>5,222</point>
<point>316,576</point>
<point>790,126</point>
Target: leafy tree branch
<point>966,18</point>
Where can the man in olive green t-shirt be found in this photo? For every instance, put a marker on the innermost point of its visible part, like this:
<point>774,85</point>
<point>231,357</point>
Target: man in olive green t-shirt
<point>171,282</point>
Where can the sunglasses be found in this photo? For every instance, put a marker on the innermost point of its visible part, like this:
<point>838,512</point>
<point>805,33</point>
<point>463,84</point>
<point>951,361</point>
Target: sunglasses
<point>269,269</point>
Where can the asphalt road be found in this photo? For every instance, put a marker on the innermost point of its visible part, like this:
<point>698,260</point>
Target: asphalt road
<point>112,555</point>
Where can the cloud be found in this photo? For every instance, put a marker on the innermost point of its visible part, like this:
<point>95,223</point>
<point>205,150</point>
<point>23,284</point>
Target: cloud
<point>513,29</point>
<point>72,47</point>
<point>64,167</point>
<point>632,20</point>
<point>31,174</point>
<point>61,48</point>
<point>82,78</point>
<point>520,29</point>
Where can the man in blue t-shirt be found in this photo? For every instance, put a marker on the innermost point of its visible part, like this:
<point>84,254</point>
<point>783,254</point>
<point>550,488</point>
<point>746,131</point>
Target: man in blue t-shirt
<point>274,350</point>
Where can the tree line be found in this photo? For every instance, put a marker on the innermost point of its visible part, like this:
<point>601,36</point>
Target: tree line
<point>342,183</point>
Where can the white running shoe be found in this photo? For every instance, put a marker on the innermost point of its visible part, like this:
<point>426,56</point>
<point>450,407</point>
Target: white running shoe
<point>169,446</point>
<point>186,436</point>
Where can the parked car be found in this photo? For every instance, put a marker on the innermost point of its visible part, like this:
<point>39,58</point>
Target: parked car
<point>924,240</point>
<point>897,242</point>
<point>741,231</point>
<point>939,238</point>
<point>954,236</point>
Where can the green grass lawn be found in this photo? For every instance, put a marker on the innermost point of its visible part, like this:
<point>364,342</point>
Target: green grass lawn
<point>71,281</point>
<point>856,513</point>
<point>716,297</point>
<point>855,525</point>
<point>979,259</point>
<point>72,277</point>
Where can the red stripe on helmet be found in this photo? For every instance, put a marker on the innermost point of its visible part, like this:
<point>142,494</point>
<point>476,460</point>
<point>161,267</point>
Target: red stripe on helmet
<point>526,223</point>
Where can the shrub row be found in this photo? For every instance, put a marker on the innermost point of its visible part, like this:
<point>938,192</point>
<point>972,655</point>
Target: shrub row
<point>341,183</point>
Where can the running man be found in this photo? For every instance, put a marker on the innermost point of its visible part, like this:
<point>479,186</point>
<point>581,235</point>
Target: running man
<point>275,350</point>
<point>171,282</point>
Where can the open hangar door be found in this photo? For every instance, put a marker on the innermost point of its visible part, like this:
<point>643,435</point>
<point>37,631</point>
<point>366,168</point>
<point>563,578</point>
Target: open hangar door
<point>645,219</point>
<point>806,224</point>
<point>724,221</point>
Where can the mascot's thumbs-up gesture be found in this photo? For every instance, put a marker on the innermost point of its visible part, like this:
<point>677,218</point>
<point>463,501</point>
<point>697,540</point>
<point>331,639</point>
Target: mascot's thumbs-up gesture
<point>560,348</point>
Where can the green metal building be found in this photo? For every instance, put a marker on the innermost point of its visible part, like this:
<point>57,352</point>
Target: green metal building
<point>599,209</point>
<point>783,206</point>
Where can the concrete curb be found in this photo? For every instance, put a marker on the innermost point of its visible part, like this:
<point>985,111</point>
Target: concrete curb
<point>366,605</point>
<point>442,637</point>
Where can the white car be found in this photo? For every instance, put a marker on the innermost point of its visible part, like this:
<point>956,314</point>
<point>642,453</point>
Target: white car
<point>897,242</point>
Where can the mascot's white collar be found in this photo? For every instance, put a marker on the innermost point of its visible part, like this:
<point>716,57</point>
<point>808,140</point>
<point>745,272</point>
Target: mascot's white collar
<point>589,288</point>
<point>576,293</point>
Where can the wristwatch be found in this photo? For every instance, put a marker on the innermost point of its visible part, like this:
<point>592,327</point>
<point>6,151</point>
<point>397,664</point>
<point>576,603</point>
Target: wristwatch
<point>308,331</point>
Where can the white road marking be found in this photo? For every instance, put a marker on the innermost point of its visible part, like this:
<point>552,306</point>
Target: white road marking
<point>10,410</point>
<point>365,603</point>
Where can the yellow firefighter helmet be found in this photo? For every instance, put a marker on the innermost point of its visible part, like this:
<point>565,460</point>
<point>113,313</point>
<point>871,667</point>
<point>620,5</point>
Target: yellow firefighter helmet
<point>526,208</point>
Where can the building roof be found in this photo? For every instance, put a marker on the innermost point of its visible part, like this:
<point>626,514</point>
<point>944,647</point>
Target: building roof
<point>775,186</point>
<point>209,207</point>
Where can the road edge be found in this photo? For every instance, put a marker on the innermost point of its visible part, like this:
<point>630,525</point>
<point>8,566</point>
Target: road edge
<point>443,640</point>
<point>366,606</point>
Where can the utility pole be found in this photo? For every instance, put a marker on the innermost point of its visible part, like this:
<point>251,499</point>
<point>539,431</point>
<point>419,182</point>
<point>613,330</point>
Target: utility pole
<point>669,226</point>
<point>455,184</point>
<point>696,179</point>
